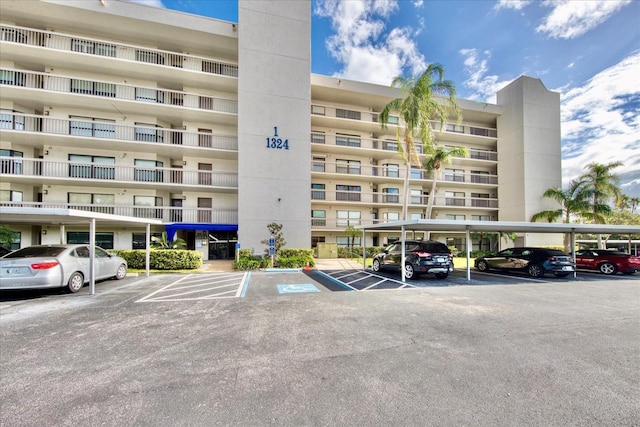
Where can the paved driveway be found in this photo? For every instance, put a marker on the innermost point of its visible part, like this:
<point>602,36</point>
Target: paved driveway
<point>565,353</point>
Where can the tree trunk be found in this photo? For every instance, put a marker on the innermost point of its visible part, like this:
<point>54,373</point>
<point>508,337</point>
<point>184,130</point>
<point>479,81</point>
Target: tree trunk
<point>405,197</point>
<point>432,200</point>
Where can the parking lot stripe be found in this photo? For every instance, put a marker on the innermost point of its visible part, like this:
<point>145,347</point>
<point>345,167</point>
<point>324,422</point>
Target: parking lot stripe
<point>242,291</point>
<point>338,282</point>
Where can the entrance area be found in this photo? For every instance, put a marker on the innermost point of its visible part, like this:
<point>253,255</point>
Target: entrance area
<point>222,244</point>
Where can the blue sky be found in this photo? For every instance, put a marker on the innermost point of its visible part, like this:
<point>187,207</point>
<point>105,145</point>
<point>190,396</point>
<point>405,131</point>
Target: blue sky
<point>589,51</point>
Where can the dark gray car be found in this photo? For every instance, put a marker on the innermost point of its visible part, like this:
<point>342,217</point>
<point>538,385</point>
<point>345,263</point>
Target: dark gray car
<point>422,257</point>
<point>534,261</point>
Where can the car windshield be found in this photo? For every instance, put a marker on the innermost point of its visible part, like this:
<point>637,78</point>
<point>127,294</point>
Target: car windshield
<point>556,253</point>
<point>37,251</point>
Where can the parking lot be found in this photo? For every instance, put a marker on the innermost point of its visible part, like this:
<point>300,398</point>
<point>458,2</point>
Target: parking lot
<point>327,347</point>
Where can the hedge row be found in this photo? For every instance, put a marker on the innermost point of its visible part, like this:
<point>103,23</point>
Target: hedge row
<point>162,259</point>
<point>286,258</point>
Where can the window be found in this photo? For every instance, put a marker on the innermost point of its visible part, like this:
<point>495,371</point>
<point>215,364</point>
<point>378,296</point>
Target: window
<point>480,200</point>
<point>318,164</point>
<point>205,138</point>
<point>87,87</point>
<point>219,68</point>
<point>97,167</point>
<point>416,216</point>
<point>11,162</point>
<point>318,218</point>
<point>455,217</point>
<point>391,216</point>
<point>416,197</point>
<point>393,120</point>
<point>390,145</point>
<point>149,56</point>
<point>349,193</point>
<point>317,109</point>
<point>346,218</point>
<point>148,171</point>
<point>93,48</point>
<point>455,175</point>
<point>347,114</point>
<point>391,195</point>
<point>317,239</point>
<point>346,241</point>
<point>148,132</point>
<point>391,170</point>
<point>145,207</point>
<point>10,196</point>
<point>449,127</point>
<point>317,138</point>
<point>317,191</point>
<point>348,140</point>
<point>205,175</point>
<point>348,166</point>
<point>481,217</point>
<point>457,242</point>
<point>144,94</point>
<point>87,126</point>
<point>454,198</point>
<point>138,240</point>
<point>480,177</point>
<point>104,240</point>
<point>103,203</point>
<point>416,173</point>
<point>10,120</point>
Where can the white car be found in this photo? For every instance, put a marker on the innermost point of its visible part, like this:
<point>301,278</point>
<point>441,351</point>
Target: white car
<point>57,266</point>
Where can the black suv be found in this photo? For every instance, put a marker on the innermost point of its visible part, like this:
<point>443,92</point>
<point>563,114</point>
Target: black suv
<point>534,261</point>
<point>422,257</point>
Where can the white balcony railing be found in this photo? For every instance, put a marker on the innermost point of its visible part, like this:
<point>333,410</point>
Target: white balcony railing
<point>27,167</point>
<point>386,198</point>
<point>118,51</point>
<point>106,89</point>
<point>166,214</point>
<point>110,130</point>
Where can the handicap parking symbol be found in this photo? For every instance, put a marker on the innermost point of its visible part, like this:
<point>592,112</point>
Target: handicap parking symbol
<point>297,289</point>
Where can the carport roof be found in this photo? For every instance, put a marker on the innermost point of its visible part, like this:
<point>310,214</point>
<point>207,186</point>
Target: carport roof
<point>495,226</point>
<point>53,216</point>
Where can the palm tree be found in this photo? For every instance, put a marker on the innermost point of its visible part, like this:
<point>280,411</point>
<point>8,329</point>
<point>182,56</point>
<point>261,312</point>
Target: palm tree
<point>602,185</point>
<point>573,201</point>
<point>163,242</point>
<point>436,158</point>
<point>429,97</point>
<point>634,202</point>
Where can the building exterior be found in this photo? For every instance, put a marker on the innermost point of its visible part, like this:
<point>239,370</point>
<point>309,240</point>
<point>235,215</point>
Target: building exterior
<point>218,129</point>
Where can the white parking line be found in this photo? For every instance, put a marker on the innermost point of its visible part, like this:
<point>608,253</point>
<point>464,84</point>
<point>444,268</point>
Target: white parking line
<point>207,286</point>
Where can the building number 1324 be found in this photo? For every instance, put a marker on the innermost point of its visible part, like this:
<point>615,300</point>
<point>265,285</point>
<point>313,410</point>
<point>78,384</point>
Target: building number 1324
<point>276,142</point>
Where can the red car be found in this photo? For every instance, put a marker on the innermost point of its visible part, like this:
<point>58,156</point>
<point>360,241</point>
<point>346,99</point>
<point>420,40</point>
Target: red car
<point>607,261</point>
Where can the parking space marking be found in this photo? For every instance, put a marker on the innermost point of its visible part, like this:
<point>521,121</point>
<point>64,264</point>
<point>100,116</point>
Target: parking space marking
<point>353,280</point>
<point>205,286</point>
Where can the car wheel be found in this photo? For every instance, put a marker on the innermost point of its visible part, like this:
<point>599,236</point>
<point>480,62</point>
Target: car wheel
<point>76,281</point>
<point>442,275</point>
<point>409,272</point>
<point>122,272</point>
<point>561,274</point>
<point>376,265</point>
<point>608,268</point>
<point>535,270</point>
<point>482,265</point>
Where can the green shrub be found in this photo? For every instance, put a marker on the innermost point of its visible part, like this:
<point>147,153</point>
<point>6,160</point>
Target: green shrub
<point>345,252</point>
<point>247,261</point>
<point>173,259</point>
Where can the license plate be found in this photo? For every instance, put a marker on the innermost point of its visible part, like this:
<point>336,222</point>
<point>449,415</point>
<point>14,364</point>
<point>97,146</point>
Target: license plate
<point>567,268</point>
<point>440,259</point>
<point>14,270</point>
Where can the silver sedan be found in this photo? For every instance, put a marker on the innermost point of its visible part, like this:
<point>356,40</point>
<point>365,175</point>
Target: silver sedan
<point>57,266</point>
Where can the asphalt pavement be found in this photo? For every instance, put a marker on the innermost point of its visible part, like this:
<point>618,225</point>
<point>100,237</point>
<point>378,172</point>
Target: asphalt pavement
<point>525,354</point>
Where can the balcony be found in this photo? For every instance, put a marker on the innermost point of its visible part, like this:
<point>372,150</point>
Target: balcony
<point>32,88</point>
<point>473,178</point>
<point>36,130</point>
<point>165,213</point>
<point>384,199</point>
<point>102,174</point>
<point>71,51</point>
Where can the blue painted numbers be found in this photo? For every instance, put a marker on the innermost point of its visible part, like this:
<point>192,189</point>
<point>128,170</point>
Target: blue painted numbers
<point>276,142</point>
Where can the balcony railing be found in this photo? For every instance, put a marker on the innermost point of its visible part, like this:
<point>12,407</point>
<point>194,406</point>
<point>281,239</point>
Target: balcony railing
<point>104,89</point>
<point>385,198</point>
<point>26,167</point>
<point>119,51</point>
<point>398,173</point>
<point>164,213</point>
<point>111,130</point>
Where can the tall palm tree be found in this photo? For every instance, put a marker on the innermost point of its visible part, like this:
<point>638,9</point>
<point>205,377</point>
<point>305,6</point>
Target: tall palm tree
<point>573,201</point>
<point>634,202</point>
<point>436,158</point>
<point>603,186</point>
<point>428,97</point>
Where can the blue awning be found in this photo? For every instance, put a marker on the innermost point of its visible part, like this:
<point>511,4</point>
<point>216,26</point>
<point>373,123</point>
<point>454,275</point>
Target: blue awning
<point>172,228</point>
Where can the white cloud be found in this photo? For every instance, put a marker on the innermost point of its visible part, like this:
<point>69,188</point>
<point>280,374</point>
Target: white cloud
<point>572,18</point>
<point>484,87</point>
<point>418,3</point>
<point>360,43</point>
<point>601,120</point>
<point>511,4</point>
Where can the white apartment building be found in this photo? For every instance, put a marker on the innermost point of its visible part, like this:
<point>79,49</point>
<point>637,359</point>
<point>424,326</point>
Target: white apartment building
<point>219,129</point>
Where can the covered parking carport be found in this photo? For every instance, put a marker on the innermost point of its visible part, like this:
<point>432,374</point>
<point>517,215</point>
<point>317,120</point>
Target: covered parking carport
<point>469,227</point>
<point>64,217</point>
